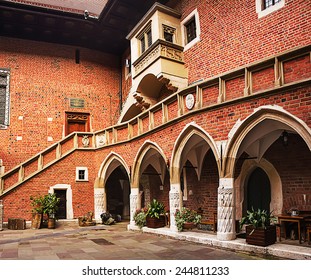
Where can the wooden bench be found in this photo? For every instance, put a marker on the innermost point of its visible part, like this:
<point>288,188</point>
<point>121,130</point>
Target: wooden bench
<point>206,224</point>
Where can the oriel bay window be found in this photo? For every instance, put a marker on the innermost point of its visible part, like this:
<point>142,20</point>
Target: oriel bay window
<point>145,38</point>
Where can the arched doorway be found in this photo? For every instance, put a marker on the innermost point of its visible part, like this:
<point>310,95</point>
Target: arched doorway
<point>258,190</point>
<point>118,192</point>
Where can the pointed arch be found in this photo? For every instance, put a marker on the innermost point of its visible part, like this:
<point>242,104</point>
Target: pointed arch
<point>258,131</point>
<point>240,184</point>
<point>183,146</point>
<point>148,150</point>
<point>111,162</point>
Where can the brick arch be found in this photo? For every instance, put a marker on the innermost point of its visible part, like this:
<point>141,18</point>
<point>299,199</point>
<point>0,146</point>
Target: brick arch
<point>190,130</point>
<point>243,128</point>
<point>142,152</point>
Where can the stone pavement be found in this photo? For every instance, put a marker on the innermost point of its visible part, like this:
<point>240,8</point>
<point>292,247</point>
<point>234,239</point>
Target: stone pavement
<point>100,242</point>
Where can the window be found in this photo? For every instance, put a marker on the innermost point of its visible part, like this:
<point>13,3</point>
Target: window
<point>145,38</point>
<point>82,174</point>
<point>168,33</point>
<point>265,7</point>
<point>4,98</point>
<point>128,66</point>
<point>269,3</point>
<point>191,29</point>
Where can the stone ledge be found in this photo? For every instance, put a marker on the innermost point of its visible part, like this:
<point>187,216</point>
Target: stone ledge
<point>278,249</point>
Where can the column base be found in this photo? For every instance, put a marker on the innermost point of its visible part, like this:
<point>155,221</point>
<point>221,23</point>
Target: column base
<point>226,236</point>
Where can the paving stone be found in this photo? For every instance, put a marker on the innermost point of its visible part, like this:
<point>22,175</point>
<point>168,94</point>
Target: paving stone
<point>105,243</point>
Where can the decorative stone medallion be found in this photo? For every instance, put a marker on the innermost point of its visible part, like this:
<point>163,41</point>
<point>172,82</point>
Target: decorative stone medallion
<point>189,101</point>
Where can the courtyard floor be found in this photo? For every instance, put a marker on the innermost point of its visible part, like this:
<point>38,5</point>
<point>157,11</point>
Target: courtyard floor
<point>71,242</point>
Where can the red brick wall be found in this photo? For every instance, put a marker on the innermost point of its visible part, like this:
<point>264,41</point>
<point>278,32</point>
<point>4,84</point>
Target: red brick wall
<point>204,191</point>
<point>299,68</point>
<point>43,78</point>
<point>293,162</point>
<point>18,204</point>
<point>232,35</point>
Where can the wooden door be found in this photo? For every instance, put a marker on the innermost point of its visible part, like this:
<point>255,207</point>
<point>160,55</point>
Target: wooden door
<point>77,122</point>
<point>75,126</point>
<point>62,207</point>
<point>258,191</point>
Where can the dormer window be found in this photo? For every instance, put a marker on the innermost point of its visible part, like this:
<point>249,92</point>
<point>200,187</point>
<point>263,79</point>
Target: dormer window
<point>168,33</point>
<point>145,38</point>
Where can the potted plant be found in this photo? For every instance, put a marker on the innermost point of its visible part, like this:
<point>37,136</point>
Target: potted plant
<point>155,215</point>
<point>186,218</point>
<point>260,229</point>
<point>50,207</point>
<point>37,211</point>
<point>140,217</point>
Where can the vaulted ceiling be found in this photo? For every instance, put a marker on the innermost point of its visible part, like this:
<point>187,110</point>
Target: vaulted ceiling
<point>64,21</point>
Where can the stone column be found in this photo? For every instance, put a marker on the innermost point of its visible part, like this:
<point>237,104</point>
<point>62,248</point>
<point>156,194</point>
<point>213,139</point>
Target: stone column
<point>133,203</point>
<point>226,210</point>
<point>175,203</point>
<point>1,215</point>
<point>100,202</point>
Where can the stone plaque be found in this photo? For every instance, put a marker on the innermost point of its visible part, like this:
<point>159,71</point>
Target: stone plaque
<point>76,103</point>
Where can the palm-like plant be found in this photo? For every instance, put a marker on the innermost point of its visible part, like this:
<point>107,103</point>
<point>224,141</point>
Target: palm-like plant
<point>258,218</point>
<point>155,209</point>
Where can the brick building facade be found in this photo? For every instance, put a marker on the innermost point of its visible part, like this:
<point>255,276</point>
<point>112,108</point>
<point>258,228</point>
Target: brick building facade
<point>216,99</point>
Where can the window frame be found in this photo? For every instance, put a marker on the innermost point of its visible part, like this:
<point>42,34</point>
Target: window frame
<point>86,174</point>
<point>193,15</point>
<point>262,11</point>
<point>6,74</point>
<point>144,41</point>
<point>171,31</point>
